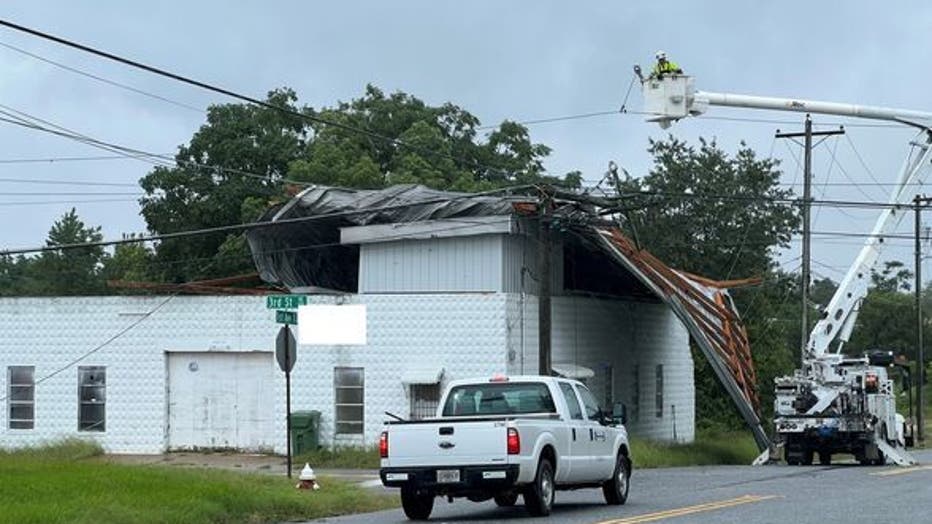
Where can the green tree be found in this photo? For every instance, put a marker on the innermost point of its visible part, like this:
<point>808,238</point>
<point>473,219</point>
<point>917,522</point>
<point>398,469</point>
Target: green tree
<point>704,211</point>
<point>72,271</point>
<point>405,141</point>
<point>241,153</point>
<point>723,216</point>
<point>130,262</point>
<point>14,275</point>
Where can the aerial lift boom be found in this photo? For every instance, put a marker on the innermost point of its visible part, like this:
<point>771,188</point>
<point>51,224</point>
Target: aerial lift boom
<point>825,406</point>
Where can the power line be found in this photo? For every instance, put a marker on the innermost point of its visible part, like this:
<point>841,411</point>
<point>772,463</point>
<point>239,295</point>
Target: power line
<point>67,182</point>
<point>239,96</point>
<point>52,160</point>
<point>100,78</point>
<point>105,343</point>
<point>69,202</point>
<point>29,121</point>
<point>247,226</point>
<point>67,193</point>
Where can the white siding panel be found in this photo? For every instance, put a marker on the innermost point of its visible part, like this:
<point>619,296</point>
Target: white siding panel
<point>519,252</point>
<point>440,265</point>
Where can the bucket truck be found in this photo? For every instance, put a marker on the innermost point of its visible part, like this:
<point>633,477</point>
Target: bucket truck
<point>835,403</point>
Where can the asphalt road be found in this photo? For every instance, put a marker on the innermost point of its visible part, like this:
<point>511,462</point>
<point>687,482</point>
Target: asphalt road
<point>726,494</point>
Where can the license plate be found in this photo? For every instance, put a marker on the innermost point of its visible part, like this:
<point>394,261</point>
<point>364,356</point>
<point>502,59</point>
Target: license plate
<point>447,476</point>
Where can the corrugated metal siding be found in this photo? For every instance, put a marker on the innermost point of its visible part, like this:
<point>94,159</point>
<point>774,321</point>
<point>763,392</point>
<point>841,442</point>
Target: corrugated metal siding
<point>597,333</point>
<point>461,264</point>
<point>520,251</point>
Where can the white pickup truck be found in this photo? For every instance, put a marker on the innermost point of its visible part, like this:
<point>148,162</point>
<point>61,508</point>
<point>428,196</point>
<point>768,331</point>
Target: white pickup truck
<point>501,437</point>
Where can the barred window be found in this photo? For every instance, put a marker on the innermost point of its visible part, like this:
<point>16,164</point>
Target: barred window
<point>92,398</point>
<point>424,400</point>
<point>349,394</point>
<point>21,397</point>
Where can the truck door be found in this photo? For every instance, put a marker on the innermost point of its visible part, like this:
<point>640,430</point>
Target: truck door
<point>601,459</point>
<point>578,438</point>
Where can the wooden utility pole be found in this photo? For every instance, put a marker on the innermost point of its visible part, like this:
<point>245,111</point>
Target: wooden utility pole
<point>807,135</point>
<point>543,285</point>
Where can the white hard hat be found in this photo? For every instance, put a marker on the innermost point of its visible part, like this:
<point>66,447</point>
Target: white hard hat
<point>661,55</point>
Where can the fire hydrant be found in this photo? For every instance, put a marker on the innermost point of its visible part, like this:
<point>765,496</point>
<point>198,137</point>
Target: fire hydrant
<point>307,479</point>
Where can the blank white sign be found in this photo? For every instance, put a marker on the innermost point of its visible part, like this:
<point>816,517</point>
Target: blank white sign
<point>325,325</point>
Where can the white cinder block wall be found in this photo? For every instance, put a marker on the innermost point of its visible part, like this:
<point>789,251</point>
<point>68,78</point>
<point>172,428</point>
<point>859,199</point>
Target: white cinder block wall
<point>468,334</point>
<point>598,333</point>
<point>464,333</point>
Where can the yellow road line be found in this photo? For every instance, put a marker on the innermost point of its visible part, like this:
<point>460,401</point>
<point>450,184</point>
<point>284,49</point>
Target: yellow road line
<point>900,471</point>
<point>689,510</point>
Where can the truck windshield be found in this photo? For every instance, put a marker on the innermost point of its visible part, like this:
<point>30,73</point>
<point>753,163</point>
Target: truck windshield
<point>498,398</point>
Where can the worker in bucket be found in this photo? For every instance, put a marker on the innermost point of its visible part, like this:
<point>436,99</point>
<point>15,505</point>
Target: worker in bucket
<point>664,67</point>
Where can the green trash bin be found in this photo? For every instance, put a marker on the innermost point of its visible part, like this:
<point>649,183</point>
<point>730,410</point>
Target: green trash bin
<point>305,431</point>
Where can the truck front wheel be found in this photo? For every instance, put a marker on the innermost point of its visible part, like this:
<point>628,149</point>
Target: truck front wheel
<point>417,506</point>
<point>615,489</point>
<point>538,497</point>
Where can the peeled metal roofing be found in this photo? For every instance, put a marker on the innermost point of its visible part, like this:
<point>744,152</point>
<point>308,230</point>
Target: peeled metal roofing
<point>705,308</point>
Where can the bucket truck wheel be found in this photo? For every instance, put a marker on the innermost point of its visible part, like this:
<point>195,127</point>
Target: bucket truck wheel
<point>417,506</point>
<point>538,497</point>
<point>807,457</point>
<point>615,489</point>
<point>825,458</point>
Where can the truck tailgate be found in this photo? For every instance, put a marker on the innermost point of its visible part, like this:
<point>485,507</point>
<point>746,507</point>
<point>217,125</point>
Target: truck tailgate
<point>447,443</point>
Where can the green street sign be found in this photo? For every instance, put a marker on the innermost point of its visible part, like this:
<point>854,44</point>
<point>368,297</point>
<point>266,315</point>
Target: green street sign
<point>286,317</point>
<point>285,301</point>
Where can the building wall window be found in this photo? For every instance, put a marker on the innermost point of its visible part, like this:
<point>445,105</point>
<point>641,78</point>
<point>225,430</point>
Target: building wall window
<point>349,394</point>
<point>424,400</point>
<point>659,398</point>
<point>21,397</point>
<point>92,398</point>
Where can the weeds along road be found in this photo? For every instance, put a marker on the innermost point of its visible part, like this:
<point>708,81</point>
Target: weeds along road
<point>726,494</point>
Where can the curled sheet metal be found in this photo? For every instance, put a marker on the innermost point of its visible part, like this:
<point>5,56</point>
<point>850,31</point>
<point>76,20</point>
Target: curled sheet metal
<point>705,308</point>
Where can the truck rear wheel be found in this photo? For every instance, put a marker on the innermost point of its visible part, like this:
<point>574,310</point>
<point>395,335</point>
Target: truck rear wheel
<point>615,489</point>
<point>507,499</point>
<point>417,506</point>
<point>538,497</point>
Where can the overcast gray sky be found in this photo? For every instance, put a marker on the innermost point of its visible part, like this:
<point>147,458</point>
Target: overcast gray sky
<point>518,60</point>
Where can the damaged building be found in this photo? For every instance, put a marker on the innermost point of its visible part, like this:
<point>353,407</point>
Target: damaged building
<point>450,282</point>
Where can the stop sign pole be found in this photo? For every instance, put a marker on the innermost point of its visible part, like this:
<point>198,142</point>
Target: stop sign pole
<point>285,354</point>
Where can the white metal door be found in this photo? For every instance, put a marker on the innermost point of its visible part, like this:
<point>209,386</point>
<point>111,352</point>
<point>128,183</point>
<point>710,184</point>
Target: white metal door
<point>221,400</point>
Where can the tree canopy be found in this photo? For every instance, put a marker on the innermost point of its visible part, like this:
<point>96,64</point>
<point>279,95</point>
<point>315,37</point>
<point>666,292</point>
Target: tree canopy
<point>246,157</point>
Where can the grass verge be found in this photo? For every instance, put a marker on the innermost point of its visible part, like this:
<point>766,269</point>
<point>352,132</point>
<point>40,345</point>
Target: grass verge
<point>55,483</point>
<point>708,449</point>
<point>341,458</point>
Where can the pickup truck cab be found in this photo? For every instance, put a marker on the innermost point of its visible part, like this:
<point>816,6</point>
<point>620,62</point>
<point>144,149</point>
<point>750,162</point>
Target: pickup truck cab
<point>503,437</point>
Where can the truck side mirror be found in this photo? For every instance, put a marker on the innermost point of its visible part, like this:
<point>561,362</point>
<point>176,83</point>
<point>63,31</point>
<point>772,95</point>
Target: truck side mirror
<point>619,413</point>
